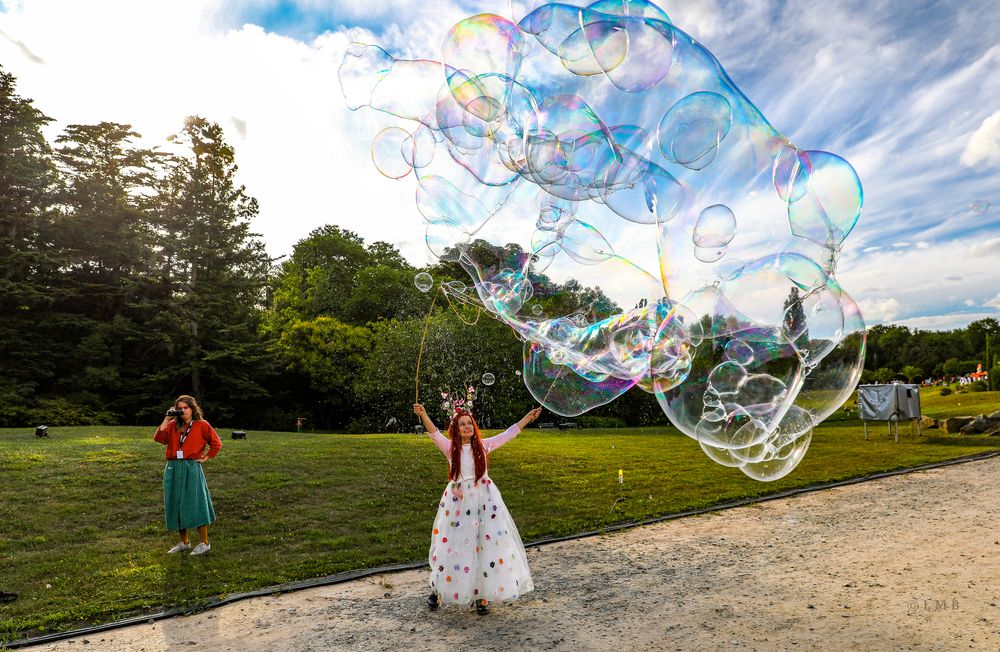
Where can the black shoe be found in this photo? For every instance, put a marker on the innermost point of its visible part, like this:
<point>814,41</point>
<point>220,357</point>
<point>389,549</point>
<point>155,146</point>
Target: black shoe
<point>7,597</point>
<point>482,607</point>
<point>432,601</point>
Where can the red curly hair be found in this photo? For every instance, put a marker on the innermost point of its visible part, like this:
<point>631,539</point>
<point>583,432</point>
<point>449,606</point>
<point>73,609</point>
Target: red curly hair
<point>478,451</point>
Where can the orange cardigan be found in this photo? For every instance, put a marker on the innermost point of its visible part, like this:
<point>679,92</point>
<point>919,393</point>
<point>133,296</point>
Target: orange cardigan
<point>202,435</point>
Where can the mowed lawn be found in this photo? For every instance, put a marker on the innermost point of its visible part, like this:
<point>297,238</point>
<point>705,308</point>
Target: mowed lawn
<point>82,539</point>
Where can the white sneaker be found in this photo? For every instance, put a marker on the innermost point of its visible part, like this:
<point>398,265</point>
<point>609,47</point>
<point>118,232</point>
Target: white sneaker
<point>180,547</point>
<point>201,548</point>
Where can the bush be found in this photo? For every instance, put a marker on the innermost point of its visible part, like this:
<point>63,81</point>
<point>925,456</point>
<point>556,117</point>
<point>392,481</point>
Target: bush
<point>945,391</point>
<point>601,422</point>
<point>978,386</point>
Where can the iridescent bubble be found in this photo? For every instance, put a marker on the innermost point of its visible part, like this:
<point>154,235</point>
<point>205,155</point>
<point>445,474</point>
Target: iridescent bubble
<point>715,227</point>
<point>423,281</point>
<point>831,205</point>
<point>691,131</point>
<point>979,206</point>
<point>489,379</point>
<point>387,152</point>
<point>739,352</point>
<point>554,153</point>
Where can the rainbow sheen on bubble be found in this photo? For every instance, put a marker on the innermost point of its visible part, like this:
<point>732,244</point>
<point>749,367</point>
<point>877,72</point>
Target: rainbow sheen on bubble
<point>615,151</point>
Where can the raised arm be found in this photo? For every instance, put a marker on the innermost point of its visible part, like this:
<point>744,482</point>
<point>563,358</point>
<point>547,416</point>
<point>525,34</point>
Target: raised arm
<point>419,410</point>
<point>439,440</point>
<point>162,435</point>
<point>529,417</point>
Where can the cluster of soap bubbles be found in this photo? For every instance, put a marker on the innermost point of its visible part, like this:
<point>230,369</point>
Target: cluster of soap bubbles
<point>616,151</point>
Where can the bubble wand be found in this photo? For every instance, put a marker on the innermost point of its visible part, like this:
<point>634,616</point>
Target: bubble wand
<point>554,381</point>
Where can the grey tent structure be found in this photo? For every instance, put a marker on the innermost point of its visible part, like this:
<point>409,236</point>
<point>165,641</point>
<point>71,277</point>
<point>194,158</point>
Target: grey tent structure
<point>893,403</point>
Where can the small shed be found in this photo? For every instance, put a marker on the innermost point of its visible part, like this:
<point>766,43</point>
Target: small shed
<point>893,403</point>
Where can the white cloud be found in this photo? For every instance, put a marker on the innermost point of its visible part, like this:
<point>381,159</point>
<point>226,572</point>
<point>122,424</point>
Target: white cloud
<point>940,280</point>
<point>989,247</point>
<point>702,20</point>
<point>984,145</point>
<point>880,310</point>
<point>969,302</point>
<point>943,322</point>
<point>994,302</point>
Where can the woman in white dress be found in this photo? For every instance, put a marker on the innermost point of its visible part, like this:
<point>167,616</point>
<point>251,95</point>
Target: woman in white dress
<point>476,553</point>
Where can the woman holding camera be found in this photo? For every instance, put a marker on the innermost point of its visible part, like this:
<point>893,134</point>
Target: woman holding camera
<point>186,500</point>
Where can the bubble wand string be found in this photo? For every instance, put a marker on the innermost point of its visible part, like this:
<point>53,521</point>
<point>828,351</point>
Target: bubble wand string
<point>420,354</point>
<point>554,381</point>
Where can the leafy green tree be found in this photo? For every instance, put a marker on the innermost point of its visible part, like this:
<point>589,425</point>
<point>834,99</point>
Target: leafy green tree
<point>333,277</point>
<point>883,375</point>
<point>382,292</point>
<point>325,350</point>
<point>332,273</point>
<point>885,346</point>
<point>454,357</point>
<point>317,279</point>
<point>979,331</point>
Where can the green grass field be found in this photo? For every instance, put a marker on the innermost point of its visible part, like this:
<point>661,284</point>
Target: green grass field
<point>82,540</point>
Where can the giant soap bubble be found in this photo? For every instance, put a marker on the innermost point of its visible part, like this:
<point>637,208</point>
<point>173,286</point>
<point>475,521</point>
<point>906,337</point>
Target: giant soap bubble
<point>602,146</point>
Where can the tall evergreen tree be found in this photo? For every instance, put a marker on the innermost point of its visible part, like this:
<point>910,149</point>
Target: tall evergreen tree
<point>31,354</point>
<point>795,317</point>
<point>217,271</point>
<point>106,238</point>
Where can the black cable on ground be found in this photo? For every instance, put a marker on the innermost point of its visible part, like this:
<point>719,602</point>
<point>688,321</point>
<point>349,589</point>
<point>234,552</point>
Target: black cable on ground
<point>348,576</point>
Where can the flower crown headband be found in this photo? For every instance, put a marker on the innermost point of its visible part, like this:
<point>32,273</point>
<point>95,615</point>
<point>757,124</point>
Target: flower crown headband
<point>452,404</point>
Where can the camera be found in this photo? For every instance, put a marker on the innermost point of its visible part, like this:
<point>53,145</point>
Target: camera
<point>174,412</point>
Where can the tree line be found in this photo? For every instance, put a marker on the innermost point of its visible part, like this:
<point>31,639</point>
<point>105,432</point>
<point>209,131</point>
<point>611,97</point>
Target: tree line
<point>129,275</point>
<point>899,353</point>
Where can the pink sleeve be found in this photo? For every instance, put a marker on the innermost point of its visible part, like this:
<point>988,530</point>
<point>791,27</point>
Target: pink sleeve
<point>441,442</point>
<point>495,442</point>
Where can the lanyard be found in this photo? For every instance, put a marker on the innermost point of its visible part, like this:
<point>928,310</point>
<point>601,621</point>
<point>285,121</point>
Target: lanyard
<point>183,438</point>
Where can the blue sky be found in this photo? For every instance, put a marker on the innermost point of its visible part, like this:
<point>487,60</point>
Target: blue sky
<point>909,93</point>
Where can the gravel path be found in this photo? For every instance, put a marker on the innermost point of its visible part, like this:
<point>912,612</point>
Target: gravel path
<point>906,562</point>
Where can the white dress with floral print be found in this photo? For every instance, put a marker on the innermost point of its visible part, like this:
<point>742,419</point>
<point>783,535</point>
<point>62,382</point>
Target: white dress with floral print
<point>476,552</point>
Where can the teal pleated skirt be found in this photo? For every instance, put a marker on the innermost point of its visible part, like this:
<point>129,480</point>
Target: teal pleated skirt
<point>186,501</point>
